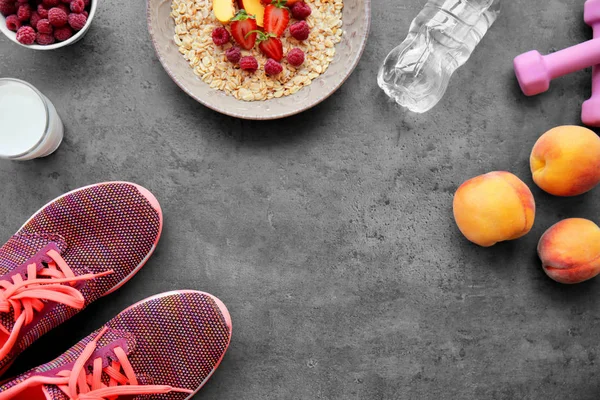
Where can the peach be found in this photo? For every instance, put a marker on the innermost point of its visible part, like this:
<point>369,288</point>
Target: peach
<point>256,8</point>
<point>570,250</point>
<point>565,161</point>
<point>494,207</point>
<point>224,10</point>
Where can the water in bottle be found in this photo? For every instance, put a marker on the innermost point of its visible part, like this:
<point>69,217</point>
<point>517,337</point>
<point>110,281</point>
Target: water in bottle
<point>441,39</point>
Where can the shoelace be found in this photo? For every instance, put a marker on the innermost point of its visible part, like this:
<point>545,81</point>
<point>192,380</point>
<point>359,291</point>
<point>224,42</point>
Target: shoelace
<point>26,297</point>
<point>82,383</point>
<point>78,384</point>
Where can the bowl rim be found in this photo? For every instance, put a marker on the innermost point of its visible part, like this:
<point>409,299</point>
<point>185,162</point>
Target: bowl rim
<point>13,35</point>
<point>309,105</point>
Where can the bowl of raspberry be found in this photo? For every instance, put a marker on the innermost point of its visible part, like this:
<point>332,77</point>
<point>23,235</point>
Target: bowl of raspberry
<point>46,24</point>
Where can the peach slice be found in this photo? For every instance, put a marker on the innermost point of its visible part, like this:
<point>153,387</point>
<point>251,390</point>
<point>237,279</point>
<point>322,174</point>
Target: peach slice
<point>224,10</point>
<point>255,7</point>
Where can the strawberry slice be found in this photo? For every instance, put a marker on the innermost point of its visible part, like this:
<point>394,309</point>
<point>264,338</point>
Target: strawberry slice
<point>270,45</point>
<point>243,28</point>
<point>277,17</point>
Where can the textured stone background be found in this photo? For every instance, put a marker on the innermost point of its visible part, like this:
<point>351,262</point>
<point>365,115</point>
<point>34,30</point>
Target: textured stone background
<point>329,235</point>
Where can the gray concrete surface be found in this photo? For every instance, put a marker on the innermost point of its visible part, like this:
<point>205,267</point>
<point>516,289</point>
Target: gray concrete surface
<point>330,235</point>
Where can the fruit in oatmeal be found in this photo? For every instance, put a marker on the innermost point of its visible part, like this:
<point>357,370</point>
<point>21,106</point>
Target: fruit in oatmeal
<point>301,10</point>
<point>223,9</point>
<point>220,36</point>
<point>243,29</point>
<point>272,67</point>
<point>254,7</point>
<point>295,57</point>
<point>565,161</point>
<point>270,45</point>
<point>277,17</point>
<point>218,67</point>
<point>249,64</point>
<point>233,54</point>
<point>300,30</point>
<point>570,251</point>
<point>493,208</point>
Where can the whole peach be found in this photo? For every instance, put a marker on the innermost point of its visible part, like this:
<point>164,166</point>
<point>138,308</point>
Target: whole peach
<point>565,161</point>
<point>570,250</point>
<point>494,207</point>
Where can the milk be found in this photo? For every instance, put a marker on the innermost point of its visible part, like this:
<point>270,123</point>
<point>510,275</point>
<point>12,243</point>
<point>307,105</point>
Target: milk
<point>29,124</point>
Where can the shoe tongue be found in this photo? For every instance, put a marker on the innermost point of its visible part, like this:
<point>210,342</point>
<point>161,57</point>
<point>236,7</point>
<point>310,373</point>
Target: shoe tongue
<point>22,247</point>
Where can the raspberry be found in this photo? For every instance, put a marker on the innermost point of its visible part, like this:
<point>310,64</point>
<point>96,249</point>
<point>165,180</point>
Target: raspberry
<point>87,2</point>
<point>44,26</point>
<point>7,7</point>
<point>296,57</point>
<point>249,64</point>
<point>234,54</point>
<point>300,30</point>
<point>24,12</point>
<point>35,18</point>
<point>86,14</point>
<point>50,3</point>
<point>57,17</point>
<point>77,21</point>
<point>62,34</point>
<point>272,67</point>
<point>26,35</point>
<point>220,36</point>
<point>44,39</point>
<point>22,1</point>
<point>301,10</point>
<point>66,1</point>
<point>64,8</point>
<point>13,23</point>
<point>77,6</point>
<point>42,11</point>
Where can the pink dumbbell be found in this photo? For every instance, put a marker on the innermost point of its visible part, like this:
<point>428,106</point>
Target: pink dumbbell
<point>590,111</point>
<point>535,71</point>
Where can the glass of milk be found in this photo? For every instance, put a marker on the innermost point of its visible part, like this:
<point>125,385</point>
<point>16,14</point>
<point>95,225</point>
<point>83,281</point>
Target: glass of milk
<point>29,124</point>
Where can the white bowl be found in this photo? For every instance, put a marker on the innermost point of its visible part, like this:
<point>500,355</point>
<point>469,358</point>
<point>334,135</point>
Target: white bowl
<point>75,38</point>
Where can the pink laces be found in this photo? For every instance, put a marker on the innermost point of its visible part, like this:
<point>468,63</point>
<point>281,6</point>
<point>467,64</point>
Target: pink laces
<point>26,297</point>
<point>86,383</point>
<point>82,384</point>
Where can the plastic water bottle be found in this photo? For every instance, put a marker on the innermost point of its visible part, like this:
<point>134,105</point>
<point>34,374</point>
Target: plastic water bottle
<point>441,39</point>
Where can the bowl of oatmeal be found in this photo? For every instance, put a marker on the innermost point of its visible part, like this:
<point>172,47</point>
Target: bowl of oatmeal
<point>196,53</point>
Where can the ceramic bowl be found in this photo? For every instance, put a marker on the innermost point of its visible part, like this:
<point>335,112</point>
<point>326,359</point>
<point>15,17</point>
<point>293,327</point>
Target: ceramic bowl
<point>75,38</point>
<point>356,18</point>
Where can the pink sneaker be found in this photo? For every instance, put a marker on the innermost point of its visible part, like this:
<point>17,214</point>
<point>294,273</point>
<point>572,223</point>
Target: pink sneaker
<point>165,347</point>
<point>79,247</point>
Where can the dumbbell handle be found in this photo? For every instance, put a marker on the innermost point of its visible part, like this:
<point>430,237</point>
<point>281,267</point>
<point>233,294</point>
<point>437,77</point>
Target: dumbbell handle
<point>590,110</point>
<point>574,58</point>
